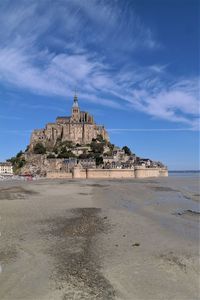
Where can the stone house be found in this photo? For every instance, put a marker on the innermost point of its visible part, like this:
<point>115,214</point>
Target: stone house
<point>6,168</point>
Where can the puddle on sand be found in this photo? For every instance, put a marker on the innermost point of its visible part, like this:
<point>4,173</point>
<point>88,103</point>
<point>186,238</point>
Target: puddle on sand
<point>188,212</point>
<point>196,195</point>
<point>77,264</point>
<point>174,199</point>
<point>98,185</point>
<point>162,189</point>
<point>86,194</point>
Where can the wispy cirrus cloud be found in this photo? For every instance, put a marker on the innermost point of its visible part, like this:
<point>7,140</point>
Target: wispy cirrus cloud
<point>50,49</point>
<point>170,102</point>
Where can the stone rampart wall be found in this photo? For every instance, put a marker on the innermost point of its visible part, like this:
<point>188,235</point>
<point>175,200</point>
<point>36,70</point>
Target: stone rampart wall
<point>163,172</point>
<point>110,173</point>
<point>141,172</point>
<point>54,175</point>
<point>138,172</point>
<point>79,173</point>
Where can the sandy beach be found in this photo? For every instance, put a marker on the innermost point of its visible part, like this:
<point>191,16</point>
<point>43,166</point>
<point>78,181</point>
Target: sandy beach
<point>96,239</point>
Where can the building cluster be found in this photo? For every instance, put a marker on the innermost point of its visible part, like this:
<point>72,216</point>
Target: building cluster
<point>6,168</point>
<point>118,160</point>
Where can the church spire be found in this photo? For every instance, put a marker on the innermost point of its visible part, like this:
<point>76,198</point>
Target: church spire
<point>75,109</point>
<point>75,104</point>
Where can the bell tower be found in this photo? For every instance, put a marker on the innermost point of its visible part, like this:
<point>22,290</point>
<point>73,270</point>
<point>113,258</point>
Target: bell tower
<point>75,110</point>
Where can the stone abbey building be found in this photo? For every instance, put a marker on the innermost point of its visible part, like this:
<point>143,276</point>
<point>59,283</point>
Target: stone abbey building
<point>79,128</point>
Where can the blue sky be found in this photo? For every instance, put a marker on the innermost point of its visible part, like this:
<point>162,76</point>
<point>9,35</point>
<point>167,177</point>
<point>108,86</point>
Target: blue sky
<point>135,65</point>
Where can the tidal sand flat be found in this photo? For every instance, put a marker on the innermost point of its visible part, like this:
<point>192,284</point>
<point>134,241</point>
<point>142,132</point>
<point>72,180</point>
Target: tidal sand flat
<point>100,239</point>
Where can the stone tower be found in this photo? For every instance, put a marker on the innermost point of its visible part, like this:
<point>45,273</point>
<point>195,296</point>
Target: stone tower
<point>75,110</point>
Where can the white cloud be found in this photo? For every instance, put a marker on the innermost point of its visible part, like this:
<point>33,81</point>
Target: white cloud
<point>178,102</point>
<point>50,50</point>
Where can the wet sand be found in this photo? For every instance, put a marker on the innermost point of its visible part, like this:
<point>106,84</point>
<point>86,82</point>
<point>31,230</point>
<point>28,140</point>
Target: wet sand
<point>130,239</point>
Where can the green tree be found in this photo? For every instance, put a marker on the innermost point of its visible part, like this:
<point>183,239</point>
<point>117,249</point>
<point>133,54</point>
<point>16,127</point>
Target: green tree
<point>17,162</point>
<point>51,155</point>
<point>100,138</point>
<point>19,154</point>
<point>71,154</point>
<point>55,149</point>
<point>12,160</point>
<point>96,147</point>
<point>111,146</point>
<point>27,148</point>
<point>86,155</point>
<point>21,163</point>
<point>127,150</point>
<point>64,153</point>
<point>68,144</point>
<point>109,153</point>
<point>99,160</point>
<point>39,149</point>
<point>83,156</point>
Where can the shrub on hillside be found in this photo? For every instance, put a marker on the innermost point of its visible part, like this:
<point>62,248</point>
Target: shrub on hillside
<point>65,154</point>
<point>39,149</point>
<point>99,160</point>
<point>96,147</point>
<point>127,150</point>
<point>17,162</point>
<point>51,155</point>
<point>19,154</point>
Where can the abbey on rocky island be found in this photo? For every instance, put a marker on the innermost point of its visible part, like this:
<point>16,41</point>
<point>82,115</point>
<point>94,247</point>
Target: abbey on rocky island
<point>76,147</point>
<point>79,128</point>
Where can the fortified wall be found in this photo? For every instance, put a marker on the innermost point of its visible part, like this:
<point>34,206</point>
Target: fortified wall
<point>137,172</point>
<point>141,172</point>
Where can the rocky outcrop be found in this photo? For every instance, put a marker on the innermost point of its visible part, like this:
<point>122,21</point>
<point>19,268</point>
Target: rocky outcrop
<point>38,164</point>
